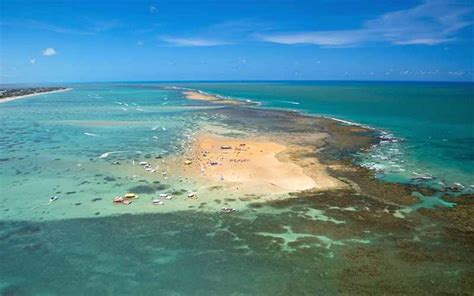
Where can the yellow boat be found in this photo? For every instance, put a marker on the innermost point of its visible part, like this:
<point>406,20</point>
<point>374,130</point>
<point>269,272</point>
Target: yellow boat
<point>131,195</point>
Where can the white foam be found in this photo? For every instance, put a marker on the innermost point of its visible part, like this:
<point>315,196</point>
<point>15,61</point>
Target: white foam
<point>91,134</point>
<point>106,154</point>
<point>290,102</point>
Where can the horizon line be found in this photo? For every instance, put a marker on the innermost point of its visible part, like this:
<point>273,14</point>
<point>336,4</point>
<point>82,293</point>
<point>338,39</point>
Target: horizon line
<point>238,81</point>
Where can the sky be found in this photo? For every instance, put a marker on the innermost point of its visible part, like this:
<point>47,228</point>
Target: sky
<point>125,40</point>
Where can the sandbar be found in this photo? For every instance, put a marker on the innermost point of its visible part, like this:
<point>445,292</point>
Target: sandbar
<point>199,96</point>
<point>251,165</point>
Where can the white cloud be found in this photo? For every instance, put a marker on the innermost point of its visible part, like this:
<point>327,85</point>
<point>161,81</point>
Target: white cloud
<point>222,33</point>
<point>430,23</point>
<point>153,9</point>
<point>89,27</point>
<point>324,38</point>
<point>425,41</point>
<point>456,73</point>
<point>33,61</point>
<point>49,52</point>
<point>35,25</point>
<point>193,41</point>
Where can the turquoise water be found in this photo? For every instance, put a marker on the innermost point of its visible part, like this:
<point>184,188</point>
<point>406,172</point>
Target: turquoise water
<point>433,122</point>
<point>85,146</point>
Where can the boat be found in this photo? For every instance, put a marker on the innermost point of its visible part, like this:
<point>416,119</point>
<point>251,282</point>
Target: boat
<point>422,177</point>
<point>122,200</point>
<point>457,187</point>
<point>157,202</point>
<point>53,198</point>
<point>228,210</point>
<point>130,195</point>
<point>118,199</point>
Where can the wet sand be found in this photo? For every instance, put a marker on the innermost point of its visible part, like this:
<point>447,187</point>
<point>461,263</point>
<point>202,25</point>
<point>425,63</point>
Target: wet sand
<point>9,99</point>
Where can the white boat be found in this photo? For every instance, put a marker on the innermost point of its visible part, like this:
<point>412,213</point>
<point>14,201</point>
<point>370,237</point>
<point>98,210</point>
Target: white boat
<point>457,187</point>
<point>228,210</point>
<point>423,177</point>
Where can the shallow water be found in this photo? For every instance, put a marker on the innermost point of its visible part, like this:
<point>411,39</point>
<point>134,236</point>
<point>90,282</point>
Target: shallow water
<point>66,144</point>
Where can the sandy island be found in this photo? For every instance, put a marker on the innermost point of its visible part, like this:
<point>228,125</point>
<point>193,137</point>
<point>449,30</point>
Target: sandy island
<point>198,96</point>
<point>32,95</point>
<point>252,166</point>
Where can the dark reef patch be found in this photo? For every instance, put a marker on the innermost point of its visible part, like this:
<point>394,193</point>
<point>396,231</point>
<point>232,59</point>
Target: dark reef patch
<point>148,189</point>
<point>178,192</point>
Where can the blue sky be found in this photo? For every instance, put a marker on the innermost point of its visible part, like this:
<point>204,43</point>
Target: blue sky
<point>75,41</point>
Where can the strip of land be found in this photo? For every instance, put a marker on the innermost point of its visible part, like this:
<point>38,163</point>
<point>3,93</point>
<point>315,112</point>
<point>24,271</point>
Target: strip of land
<point>13,98</point>
<point>199,96</point>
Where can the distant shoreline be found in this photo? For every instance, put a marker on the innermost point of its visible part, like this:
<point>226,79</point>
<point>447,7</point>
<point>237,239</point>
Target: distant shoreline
<point>9,99</point>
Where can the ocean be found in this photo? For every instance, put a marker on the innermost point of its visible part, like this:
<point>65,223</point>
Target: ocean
<point>85,146</point>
